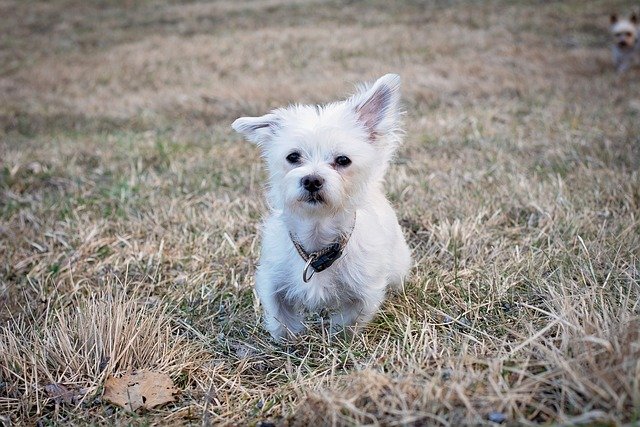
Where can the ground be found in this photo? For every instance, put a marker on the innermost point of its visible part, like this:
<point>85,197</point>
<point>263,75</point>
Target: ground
<point>130,212</point>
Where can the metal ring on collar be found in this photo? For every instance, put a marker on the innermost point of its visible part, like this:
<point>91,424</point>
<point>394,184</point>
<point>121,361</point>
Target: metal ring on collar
<point>306,279</point>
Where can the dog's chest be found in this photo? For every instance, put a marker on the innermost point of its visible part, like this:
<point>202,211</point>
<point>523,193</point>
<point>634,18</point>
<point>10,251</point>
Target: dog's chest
<point>329,288</point>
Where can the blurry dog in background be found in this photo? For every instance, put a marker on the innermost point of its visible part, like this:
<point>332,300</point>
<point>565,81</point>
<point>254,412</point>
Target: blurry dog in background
<point>626,51</point>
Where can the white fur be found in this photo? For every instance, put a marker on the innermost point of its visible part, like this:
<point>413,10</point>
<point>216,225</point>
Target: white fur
<point>365,128</point>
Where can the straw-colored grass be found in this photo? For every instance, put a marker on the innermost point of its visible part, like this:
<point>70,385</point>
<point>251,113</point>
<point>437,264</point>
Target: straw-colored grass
<point>129,212</point>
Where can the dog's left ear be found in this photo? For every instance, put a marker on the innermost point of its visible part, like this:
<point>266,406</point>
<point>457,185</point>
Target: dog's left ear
<point>634,18</point>
<point>258,130</point>
<point>377,108</point>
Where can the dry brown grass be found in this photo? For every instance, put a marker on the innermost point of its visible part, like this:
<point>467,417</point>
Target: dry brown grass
<point>129,212</point>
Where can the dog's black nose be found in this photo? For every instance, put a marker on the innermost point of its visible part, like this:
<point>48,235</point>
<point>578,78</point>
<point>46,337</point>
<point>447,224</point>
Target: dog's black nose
<point>312,183</point>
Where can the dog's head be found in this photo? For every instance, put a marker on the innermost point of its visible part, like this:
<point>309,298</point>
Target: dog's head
<point>325,159</point>
<point>625,31</point>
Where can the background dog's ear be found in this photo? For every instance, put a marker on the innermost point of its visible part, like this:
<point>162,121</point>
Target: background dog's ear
<point>634,18</point>
<point>613,18</point>
<point>258,130</point>
<point>377,107</point>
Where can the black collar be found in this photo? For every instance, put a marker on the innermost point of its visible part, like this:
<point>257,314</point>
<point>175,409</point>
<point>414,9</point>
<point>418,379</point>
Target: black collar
<point>325,257</point>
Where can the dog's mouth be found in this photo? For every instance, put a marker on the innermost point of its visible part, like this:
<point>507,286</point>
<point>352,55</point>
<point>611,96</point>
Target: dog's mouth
<point>313,198</point>
<point>623,44</point>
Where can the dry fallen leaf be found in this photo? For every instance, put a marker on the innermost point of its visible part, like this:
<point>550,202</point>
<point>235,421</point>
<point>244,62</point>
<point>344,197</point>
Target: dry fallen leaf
<point>140,389</point>
<point>60,393</point>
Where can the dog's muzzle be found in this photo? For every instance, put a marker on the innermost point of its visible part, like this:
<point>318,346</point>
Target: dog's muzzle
<point>313,185</point>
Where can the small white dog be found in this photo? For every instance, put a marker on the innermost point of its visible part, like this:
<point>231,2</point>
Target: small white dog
<point>626,49</point>
<point>331,239</point>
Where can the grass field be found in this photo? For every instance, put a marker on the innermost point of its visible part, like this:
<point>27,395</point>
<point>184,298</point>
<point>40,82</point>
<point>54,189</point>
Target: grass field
<point>130,212</point>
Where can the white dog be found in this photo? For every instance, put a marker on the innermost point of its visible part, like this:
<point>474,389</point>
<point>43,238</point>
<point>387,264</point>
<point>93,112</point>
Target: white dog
<point>626,49</point>
<point>331,239</point>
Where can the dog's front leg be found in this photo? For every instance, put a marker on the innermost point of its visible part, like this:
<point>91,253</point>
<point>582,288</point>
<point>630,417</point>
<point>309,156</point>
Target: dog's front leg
<point>357,312</point>
<point>622,65</point>
<point>281,316</point>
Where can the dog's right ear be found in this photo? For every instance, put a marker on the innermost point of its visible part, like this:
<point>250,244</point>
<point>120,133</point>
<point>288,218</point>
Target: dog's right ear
<point>377,107</point>
<point>613,18</point>
<point>258,130</point>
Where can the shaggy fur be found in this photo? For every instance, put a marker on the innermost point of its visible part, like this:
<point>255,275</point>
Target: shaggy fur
<point>365,130</point>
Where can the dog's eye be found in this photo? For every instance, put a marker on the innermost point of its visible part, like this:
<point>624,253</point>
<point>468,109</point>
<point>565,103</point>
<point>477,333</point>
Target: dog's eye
<point>343,161</point>
<point>293,158</point>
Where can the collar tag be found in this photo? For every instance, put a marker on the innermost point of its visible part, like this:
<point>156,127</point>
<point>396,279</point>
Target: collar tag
<point>322,259</point>
<point>325,260</point>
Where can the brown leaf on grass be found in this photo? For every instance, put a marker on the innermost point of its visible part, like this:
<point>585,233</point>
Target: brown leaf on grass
<point>140,389</point>
<point>60,393</point>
